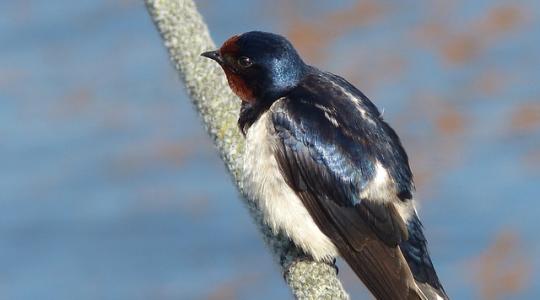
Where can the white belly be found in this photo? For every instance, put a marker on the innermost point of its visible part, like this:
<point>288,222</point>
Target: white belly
<point>282,210</point>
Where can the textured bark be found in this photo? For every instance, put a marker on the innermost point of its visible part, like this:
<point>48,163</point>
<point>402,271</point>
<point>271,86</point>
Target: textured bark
<point>186,36</point>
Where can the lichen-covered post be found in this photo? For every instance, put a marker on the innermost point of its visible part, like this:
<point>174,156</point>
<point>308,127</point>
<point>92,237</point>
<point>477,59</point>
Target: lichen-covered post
<point>186,36</point>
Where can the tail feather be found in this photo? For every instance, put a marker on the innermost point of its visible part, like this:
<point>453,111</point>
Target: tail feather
<point>431,293</point>
<point>383,270</point>
<point>404,272</point>
<point>414,249</point>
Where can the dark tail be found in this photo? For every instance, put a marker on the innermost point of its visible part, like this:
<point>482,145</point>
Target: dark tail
<point>383,270</point>
<point>404,272</point>
<point>415,252</point>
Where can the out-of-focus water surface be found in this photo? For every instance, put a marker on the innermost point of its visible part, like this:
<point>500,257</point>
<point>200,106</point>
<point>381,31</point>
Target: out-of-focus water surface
<point>109,188</point>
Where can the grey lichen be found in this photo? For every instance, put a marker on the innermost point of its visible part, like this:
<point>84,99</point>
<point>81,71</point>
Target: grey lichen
<point>186,36</point>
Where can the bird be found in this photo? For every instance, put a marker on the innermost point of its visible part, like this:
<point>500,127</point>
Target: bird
<point>325,169</point>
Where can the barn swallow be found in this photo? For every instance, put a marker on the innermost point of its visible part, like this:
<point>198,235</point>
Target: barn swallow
<point>325,168</point>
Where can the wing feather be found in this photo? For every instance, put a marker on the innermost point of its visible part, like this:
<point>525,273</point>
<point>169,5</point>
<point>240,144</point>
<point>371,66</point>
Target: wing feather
<point>327,166</point>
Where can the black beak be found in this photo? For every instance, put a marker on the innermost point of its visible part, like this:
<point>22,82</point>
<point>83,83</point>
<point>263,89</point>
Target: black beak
<point>213,55</point>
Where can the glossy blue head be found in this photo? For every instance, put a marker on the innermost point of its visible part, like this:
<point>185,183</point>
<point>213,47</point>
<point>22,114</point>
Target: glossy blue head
<point>259,66</point>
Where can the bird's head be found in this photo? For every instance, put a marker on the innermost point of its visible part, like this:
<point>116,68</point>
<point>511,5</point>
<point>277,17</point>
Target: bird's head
<point>259,66</point>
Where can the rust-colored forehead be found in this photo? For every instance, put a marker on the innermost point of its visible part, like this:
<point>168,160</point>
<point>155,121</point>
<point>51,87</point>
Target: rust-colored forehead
<point>230,46</point>
<point>229,50</point>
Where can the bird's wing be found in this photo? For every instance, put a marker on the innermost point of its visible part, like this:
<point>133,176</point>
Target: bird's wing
<point>328,167</point>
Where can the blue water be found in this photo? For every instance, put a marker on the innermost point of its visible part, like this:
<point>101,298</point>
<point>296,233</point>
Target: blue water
<point>109,188</point>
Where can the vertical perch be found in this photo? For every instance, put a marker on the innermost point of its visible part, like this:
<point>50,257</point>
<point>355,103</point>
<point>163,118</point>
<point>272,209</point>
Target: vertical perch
<point>186,36</point>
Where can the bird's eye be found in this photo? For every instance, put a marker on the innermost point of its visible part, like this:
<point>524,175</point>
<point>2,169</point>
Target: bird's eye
<point>245,62</point>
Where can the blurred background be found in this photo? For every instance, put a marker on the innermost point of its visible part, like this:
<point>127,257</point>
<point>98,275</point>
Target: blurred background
<point>110,189</point>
